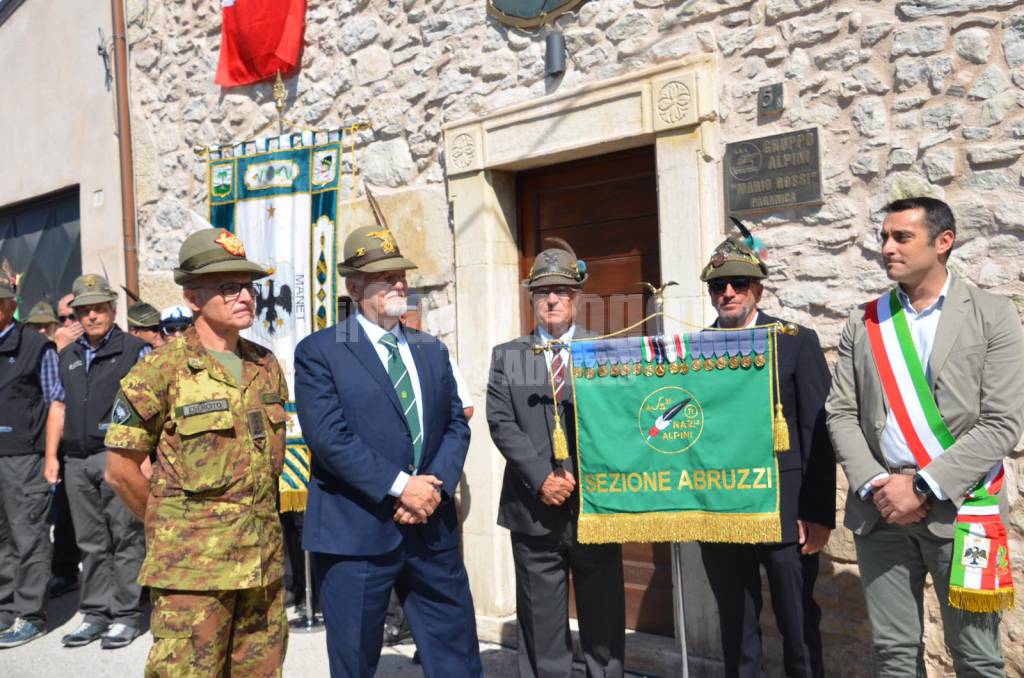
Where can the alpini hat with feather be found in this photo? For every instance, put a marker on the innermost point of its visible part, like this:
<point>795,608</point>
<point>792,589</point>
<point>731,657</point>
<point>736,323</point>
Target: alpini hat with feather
<point>372,249</point>
<point>91,289</point>
<point>557,265</point>
<point>213,250</point>
<point>141,314</point>
<point>736,257</point>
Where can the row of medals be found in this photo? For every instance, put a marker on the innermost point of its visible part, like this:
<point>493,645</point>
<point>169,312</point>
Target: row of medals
<point>709,364</point>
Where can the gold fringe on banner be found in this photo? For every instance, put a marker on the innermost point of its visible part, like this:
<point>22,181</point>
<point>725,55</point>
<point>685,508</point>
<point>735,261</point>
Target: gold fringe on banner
<point>616,528</point>
<point>293,500</point>
<point>294,478</point>
<point>973,600</point>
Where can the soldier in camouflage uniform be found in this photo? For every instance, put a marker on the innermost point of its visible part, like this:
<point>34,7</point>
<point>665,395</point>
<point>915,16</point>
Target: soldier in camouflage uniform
<point>210,405</point>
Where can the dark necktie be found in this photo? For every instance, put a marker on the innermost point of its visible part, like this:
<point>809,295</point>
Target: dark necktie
<point>558,375</point>
<point>402,382</point>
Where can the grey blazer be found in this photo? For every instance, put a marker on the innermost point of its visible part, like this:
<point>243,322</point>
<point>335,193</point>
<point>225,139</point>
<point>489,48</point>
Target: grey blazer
<point>520,414</point>
<point>977,372</point>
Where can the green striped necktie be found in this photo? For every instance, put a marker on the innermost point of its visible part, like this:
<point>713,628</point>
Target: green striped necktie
<point>402,382</point>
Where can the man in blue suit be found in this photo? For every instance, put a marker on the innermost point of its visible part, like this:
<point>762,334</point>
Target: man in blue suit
<point>379,411</point>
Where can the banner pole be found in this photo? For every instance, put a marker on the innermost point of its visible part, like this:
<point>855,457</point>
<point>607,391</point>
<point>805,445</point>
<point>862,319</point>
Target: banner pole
<point>677,605</point>
<point>658,297</point>
<point>310,622</point>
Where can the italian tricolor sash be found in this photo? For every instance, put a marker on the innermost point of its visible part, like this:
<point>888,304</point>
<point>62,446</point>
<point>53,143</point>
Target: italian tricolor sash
<point>980,578</point>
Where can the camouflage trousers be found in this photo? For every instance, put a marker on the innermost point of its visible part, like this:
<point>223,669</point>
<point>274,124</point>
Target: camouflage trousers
<point>218,634</point>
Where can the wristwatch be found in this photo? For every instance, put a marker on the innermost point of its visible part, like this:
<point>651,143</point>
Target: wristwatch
<point>922,487</point>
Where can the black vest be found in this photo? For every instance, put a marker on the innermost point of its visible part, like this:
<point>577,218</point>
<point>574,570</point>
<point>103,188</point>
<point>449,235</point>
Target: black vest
<point>22,408</point>
<point>90,396</point>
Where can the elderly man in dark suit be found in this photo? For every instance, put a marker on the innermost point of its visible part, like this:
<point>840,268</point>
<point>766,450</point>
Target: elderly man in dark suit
<point>807,486</point>
<point>539,500</point>
<point>378,407</point>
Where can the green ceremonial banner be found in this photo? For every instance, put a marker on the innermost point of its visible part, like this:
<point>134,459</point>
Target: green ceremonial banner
<point>675,437</point>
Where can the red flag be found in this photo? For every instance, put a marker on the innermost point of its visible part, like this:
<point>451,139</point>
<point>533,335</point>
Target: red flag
<point>258,39</point>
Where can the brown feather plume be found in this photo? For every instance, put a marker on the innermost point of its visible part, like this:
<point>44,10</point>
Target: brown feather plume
<point>555,241</point>
<point>131,295</point>
<point>378,214</point>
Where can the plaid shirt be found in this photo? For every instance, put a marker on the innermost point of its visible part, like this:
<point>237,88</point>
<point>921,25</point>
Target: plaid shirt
<point>57,388</point>
<point>47,370</point>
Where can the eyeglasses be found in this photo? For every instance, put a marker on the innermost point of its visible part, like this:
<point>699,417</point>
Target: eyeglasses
<point>231,291</point>
<point>739,285</point>
<point>64,318</point>
<point>560,292</point>
<point>174,330</point>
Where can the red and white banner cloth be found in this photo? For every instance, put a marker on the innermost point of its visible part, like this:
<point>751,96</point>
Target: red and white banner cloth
<point>980,579</point>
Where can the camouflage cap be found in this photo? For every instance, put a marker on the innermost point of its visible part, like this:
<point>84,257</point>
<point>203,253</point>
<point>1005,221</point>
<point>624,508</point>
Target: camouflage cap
<point>372,249</point>
<point>734,258</point>
<point>556,266</point>
<point>8,287</point>
<point>91,289</point>
<point>41,314</point>
<point>213,250</point>
<point>141,314</point>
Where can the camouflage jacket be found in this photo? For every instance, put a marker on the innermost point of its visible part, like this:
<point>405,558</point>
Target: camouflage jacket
<point>211,519</point>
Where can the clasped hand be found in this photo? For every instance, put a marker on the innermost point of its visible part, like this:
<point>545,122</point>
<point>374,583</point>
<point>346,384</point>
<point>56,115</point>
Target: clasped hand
<point>896,500</point>
<point>557,487</point>
<point>419,500</point>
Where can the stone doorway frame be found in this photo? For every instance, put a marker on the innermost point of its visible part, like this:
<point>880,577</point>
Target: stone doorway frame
<point>673,107</point>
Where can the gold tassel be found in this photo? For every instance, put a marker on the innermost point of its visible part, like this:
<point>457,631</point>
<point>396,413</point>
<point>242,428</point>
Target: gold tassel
<point>780,430</point>
<point>293,500</point>
<point>973,600</point>
<point>559,444</point>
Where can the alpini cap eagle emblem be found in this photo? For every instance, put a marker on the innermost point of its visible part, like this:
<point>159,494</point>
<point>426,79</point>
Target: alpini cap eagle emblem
<point>231,243</point>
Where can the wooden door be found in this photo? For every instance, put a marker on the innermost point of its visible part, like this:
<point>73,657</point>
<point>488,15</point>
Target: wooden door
<point>606,208</point>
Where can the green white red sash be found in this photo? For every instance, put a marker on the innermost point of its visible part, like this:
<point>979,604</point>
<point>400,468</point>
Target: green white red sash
<point>980,579</point>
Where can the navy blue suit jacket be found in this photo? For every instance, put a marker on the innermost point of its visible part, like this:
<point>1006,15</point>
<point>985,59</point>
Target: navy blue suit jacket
<point>353,424</point>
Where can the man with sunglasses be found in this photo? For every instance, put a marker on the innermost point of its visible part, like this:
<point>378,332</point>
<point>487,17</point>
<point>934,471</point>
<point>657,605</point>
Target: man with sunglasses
<point>69,329</point>
<point>807,483</point>
<point>539,501</point>
<point>109,536</point>
<point>66,555</point>
<point>174,320</point>
<point>210,409</point>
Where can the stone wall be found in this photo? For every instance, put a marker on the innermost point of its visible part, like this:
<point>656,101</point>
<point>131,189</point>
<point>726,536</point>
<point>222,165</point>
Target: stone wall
<point>910,96</point>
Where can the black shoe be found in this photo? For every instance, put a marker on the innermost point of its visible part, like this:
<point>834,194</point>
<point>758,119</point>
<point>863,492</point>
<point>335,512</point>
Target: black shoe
<point>416,657</point>
<point>118,635</point>
<point>393,635</point>
<point>59,585</point>
<point>84,634</point>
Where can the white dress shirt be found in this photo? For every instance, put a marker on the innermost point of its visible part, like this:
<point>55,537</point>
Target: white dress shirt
<point>375,332</point>
<point>545,337</point>
<point>923,325</point>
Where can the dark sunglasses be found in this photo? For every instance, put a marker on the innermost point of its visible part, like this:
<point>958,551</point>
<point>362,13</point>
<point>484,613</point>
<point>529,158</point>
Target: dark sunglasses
<point>64,318</point>
<point>231,291</point>
<point>739,285</point>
